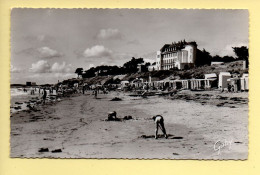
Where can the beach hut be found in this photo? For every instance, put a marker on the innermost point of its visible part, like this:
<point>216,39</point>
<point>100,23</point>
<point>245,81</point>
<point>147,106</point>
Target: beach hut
<point>197,84</point>
<point>244,82</point>
<point>211,80</point>
<point>178,84</point>
<point>222,80</point>
<point>185,84</point>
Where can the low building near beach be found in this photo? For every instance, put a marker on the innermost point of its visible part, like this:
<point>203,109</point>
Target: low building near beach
<point>222,80</point>
<point>28,83</point>
<point>216,63</point>
<point>211,76</point>
<point>142,68</point>
<point>124,84</point>
<point>138,82</point>
<point>152,68</point>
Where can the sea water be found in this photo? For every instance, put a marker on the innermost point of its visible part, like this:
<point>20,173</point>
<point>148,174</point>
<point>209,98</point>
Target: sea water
<point>20,98</point>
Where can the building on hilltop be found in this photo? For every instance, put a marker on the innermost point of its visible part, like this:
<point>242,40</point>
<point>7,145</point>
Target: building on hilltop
<point>28,83</point>
<point>180,55</point>
<point>142,67</point>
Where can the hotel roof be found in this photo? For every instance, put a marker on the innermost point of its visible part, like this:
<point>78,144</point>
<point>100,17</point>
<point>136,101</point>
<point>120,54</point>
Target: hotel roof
<point>179,45</point>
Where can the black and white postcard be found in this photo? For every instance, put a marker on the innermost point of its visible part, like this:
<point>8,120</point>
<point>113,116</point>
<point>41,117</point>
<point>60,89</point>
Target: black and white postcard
<point>129,83</point>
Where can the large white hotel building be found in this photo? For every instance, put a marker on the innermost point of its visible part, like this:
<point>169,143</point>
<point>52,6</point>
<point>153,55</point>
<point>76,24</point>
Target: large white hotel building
<point>180,55</point>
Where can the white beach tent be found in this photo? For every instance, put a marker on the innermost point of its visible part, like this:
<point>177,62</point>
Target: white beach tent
<point>222,80</point>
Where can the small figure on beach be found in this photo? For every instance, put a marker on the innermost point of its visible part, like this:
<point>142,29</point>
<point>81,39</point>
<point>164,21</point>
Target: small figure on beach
<point>44,95</point>
<point>159,121</point>
<point>83,89</point>
<point>229,87</point>
<point>105,90</point>
<point>232,88</point>
<point>95,92</point>
<point>112,116</point>
<point>221,89</point>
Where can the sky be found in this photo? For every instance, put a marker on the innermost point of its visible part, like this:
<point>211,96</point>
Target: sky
<point>48,45</point>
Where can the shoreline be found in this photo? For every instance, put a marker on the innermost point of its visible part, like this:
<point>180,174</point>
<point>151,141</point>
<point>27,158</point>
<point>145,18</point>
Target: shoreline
<point>76,126</point>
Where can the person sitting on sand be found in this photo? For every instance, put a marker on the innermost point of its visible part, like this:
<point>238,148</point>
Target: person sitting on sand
<point>159,121</point>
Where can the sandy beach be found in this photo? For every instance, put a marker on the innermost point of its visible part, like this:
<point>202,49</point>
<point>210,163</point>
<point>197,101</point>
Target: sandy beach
<point>214,127</point>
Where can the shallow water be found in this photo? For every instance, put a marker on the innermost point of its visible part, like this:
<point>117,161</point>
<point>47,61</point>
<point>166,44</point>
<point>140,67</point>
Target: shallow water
<point>19,97</point>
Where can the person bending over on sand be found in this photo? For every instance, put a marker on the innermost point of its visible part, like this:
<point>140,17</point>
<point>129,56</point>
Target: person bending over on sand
<point>112,116</point>
<point>158,119</point>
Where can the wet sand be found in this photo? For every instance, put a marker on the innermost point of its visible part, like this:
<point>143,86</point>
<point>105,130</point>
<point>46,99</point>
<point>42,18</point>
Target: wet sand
<point>75,127</point>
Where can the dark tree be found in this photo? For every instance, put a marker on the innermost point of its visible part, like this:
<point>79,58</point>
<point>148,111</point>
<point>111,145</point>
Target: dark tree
<point>89,73</point>
<point>228,58</point>
<point>79,71</point>
<point>241,52</point>
<point>203,58</point>
<point>131,66</point>
<point>224,59</point>
<point>216,58</point>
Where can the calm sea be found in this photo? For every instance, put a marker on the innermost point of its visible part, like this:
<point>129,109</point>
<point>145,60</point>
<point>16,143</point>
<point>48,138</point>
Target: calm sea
<point>19,97</point>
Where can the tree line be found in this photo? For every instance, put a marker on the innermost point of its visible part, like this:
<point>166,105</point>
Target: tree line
<point>203,57</point>
<point>127,68</point>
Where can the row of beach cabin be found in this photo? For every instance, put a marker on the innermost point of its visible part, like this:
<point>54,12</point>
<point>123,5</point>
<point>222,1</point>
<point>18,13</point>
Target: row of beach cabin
<point>211,81</point>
